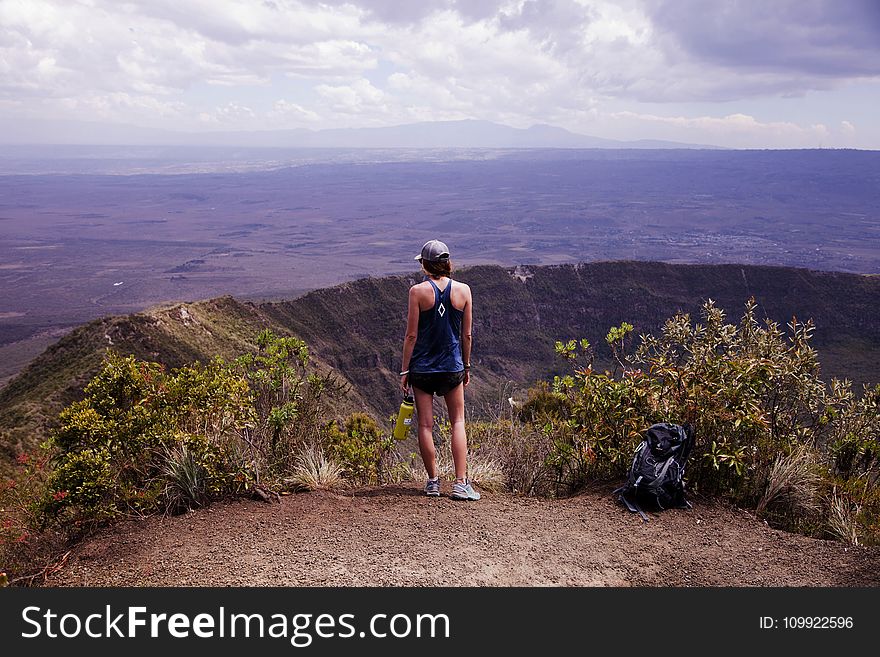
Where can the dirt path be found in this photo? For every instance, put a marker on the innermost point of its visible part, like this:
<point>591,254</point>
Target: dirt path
<point>394,536</point>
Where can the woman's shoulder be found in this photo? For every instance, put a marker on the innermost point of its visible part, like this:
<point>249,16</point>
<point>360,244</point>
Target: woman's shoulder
<point>461,294</point>
<point>422,289</point>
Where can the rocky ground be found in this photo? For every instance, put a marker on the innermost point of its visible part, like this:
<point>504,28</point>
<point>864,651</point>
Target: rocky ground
<point>394,536</point>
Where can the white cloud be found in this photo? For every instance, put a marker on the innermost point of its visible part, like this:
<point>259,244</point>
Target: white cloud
<point>424,97</point>
<point>230,115</point>
<point>375,62</point>
<point>283,110</point>
<point>359,99</point>
<point>143,108</point>
<point>481,70</point>
<point>165,47</point>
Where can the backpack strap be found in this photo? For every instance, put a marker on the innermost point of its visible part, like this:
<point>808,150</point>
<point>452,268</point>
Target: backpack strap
<point>632,506</point>
<point>659,480</point>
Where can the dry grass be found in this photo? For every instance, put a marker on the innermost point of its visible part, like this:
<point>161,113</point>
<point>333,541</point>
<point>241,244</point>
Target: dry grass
<point>397,469</point>
<point>484,471</point>
<point>314,470</point>
<point>842,518</point>
<point>792,481</point>
<point>185,480</point>
<point>487,474</point>
<point>518,452</point>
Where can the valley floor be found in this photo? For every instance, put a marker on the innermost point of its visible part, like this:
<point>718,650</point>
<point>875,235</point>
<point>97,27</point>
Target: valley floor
<point>394,536</point>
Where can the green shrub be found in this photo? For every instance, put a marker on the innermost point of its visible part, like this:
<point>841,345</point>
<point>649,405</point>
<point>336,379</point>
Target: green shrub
<point>144,439</point>
<point>608,416</point>
<point>750,392</point>
<point>122,448</point>
<point>361,446</point>
<point>84,479</point>
<point>544,404</point>
<point>770,433</point>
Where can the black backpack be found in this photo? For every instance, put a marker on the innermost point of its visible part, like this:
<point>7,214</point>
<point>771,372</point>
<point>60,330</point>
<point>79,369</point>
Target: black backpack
<point>656,476</point>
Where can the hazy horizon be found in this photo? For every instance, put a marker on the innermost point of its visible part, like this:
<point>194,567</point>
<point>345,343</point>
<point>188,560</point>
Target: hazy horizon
<point>468,133</point>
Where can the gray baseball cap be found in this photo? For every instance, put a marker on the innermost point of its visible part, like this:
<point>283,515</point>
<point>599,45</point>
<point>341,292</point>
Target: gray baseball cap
<point>433,251</point>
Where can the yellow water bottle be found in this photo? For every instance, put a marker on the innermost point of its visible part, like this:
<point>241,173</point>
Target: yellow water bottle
<point>404,417</point>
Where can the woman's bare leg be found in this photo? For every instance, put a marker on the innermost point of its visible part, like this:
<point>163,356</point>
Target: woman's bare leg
<point>425,411</point>
<point>455,407</point>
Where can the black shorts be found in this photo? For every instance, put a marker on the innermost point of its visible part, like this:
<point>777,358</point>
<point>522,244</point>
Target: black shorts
<point>436,383</point>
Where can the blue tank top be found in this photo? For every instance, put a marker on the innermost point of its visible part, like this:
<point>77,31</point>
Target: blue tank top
<point>438,346</point>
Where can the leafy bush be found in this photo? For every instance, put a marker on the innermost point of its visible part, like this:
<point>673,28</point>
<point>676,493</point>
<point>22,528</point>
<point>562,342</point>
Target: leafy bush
<point>750,391</point>
<point>144,439</point>
<point>84,479</point>
<point>361,446</point>
<point>543,404</point>
<point>770,433</point>
<point>129,445</point>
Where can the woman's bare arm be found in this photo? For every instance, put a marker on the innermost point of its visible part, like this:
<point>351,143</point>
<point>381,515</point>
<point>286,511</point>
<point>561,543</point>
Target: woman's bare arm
<point>467,322</point>
<point>412,333</point>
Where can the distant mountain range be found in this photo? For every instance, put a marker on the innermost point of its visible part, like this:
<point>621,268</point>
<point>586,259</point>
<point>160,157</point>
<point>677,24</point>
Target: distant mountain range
<point>436,134</point>
<point>357,329</point>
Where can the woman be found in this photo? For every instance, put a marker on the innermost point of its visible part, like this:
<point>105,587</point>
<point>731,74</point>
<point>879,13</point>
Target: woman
<point>436,361</point>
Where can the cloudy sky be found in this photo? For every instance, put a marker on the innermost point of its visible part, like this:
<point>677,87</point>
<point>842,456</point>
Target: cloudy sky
<point>748,73</point>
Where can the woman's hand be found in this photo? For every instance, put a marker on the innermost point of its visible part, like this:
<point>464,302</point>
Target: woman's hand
<point>467,377</point>
<point>404,383</point>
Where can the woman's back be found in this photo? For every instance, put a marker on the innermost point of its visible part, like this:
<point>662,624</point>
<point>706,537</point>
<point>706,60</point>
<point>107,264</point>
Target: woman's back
<point>460,293</point>
<point>438,345</point>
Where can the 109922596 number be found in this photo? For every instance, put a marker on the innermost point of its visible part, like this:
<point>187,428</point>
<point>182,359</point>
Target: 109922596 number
<point>817,622</point>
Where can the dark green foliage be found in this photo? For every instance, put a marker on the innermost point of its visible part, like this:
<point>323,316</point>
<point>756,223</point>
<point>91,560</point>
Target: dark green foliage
<point>544,404</point>
<point>84,479</point>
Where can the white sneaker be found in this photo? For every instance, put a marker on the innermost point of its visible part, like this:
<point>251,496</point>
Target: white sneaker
<point>464,491</point>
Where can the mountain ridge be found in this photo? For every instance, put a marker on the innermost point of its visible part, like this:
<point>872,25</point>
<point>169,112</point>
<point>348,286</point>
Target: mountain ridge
<point>355,329</point>
<point>467,133</point>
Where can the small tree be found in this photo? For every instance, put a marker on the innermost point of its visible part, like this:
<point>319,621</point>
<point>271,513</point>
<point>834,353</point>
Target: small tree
<point>289,402</point>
